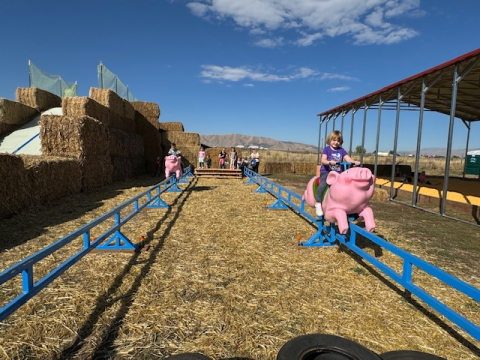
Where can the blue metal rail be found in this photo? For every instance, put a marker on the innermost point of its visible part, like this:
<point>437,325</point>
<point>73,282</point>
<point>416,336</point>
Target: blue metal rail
<point>327,236</point>
<point>117,241</point>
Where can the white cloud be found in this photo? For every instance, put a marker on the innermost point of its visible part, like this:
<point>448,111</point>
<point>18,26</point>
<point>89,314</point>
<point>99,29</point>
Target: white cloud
<point>248,85</point>
<point>339,88</point>
<point>363,20</point>
<point>308,39</point>
<point>257,31</point>
<point>269,43</point>
<point>218,73</point>
<point>328,76</point>
<point>227,73</point>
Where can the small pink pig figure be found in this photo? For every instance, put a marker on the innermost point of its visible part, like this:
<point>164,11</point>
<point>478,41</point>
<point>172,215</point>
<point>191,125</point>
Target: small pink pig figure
<point>349,193</point>
<point>173,165</point>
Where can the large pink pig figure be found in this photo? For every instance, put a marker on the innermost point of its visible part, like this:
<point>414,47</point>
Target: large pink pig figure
<point>172,165</point>
<point>349,193</point>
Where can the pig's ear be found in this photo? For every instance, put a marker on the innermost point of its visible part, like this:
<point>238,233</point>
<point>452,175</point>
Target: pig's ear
<point>332,177</point>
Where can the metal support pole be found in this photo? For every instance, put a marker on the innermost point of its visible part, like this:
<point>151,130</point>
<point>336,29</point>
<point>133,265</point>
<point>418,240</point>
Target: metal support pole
<point>363,132</point>
<point>343,118</point>
<point>351,131</point>
<point>377,141</point>
<point>319,136</point>
<point>449,141</point>
<point>466,147</point>
<point>326,126</point>
<point>419,142</point>
<point>395,140</point>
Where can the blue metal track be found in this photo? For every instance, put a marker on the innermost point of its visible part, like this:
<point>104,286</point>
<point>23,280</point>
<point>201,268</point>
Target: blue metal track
<point>117,241</point>
<point>327,236</point>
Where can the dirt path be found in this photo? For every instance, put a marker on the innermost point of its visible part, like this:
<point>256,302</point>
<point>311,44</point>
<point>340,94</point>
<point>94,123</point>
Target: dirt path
<point>225,277</point>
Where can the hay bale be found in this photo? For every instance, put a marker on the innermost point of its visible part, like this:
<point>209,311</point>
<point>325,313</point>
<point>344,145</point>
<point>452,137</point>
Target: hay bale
<point>84,106</point>
<point>138,165</point>
<point>149,110</point>
<point>15,187</point>
<point>97,171</point>
<point>125,144</point>
<point>380,195</point>
<point>73,136</point>
<point>118,145</point>
<point>276,168</point>
<point>171,126</point>
<point>151,139</point>
<point>38,99</point>
<point>122,167</point>
<point>15,113</point>
<point>304,168</point>
<point>189,155</point>
<point>52,177</point>
<point>136,145</point>
<point>113,101</point>
<point>6,128</point>
<point>182,139</point>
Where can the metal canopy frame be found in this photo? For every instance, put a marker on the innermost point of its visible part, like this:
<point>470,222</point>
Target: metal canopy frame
<point>452,88</point>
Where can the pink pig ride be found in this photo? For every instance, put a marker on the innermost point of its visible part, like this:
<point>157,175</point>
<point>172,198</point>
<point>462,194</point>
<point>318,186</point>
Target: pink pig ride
<point>349,193</point>
<point>173,165</point>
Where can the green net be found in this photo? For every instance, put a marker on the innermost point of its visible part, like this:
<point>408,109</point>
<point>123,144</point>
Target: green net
<point>110,81</point>
<point>51,83</point>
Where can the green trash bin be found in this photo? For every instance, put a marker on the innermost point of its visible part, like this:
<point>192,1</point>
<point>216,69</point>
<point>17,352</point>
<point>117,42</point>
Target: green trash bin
<point>472,165</point>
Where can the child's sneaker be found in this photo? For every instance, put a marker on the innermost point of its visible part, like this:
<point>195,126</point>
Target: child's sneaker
<point>318,209</point>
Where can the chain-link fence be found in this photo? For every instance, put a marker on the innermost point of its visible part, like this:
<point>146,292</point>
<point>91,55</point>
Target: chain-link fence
<point>51,83</point>
<point>108,80</point>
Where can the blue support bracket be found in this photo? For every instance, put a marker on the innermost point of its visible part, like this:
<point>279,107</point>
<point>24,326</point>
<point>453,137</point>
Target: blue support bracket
<point>118,242</point>
<point>278,205</point>
<point>325,236</point>
<point>158,203</point>
<point>183,180</point>
<point>261,190</point>
<point>174,188</point>
<point>250,181</point>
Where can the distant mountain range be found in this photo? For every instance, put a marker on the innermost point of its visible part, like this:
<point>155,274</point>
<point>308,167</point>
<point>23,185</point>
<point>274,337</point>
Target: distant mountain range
<point>237,140</point>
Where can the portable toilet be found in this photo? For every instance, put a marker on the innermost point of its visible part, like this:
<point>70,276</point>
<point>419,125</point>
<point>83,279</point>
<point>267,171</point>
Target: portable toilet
<point>472,164</point>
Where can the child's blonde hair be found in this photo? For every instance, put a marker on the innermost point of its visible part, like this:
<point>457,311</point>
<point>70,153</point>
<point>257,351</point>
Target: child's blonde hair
<point>335,135</point>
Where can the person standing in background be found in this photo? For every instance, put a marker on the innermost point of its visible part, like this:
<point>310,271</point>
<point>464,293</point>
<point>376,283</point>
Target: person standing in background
<point>254,160</point>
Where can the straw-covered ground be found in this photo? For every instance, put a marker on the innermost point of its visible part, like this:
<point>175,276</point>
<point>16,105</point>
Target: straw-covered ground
<point>223,276</point>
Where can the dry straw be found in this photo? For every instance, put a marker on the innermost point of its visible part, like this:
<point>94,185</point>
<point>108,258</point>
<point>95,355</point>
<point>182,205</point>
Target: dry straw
<point>14,114</point>
<point>150,111</point>
<point>51,177</point>
<point>223,276</point>
<point>37,98</point>
<point>152,140</point>
<point>305,168</point>
<point>171,126</point>
<point>13,178</point>
<point>73,136</point>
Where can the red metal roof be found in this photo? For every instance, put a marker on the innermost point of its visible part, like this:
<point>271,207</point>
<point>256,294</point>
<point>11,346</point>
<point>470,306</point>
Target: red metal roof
<point>438,98</point>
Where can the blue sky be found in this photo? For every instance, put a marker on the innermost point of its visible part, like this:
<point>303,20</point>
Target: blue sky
<point>253,67</point>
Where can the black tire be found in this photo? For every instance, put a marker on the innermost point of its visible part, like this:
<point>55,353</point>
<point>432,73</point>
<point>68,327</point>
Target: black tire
<point>409,355</point>
<point>189,356</point>
<point>324,347</point>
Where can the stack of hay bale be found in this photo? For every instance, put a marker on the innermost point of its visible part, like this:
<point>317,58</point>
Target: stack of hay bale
<point>29,179</point>
<point>146,119</point>
<point>100,132</point>
<point>187,143</point>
